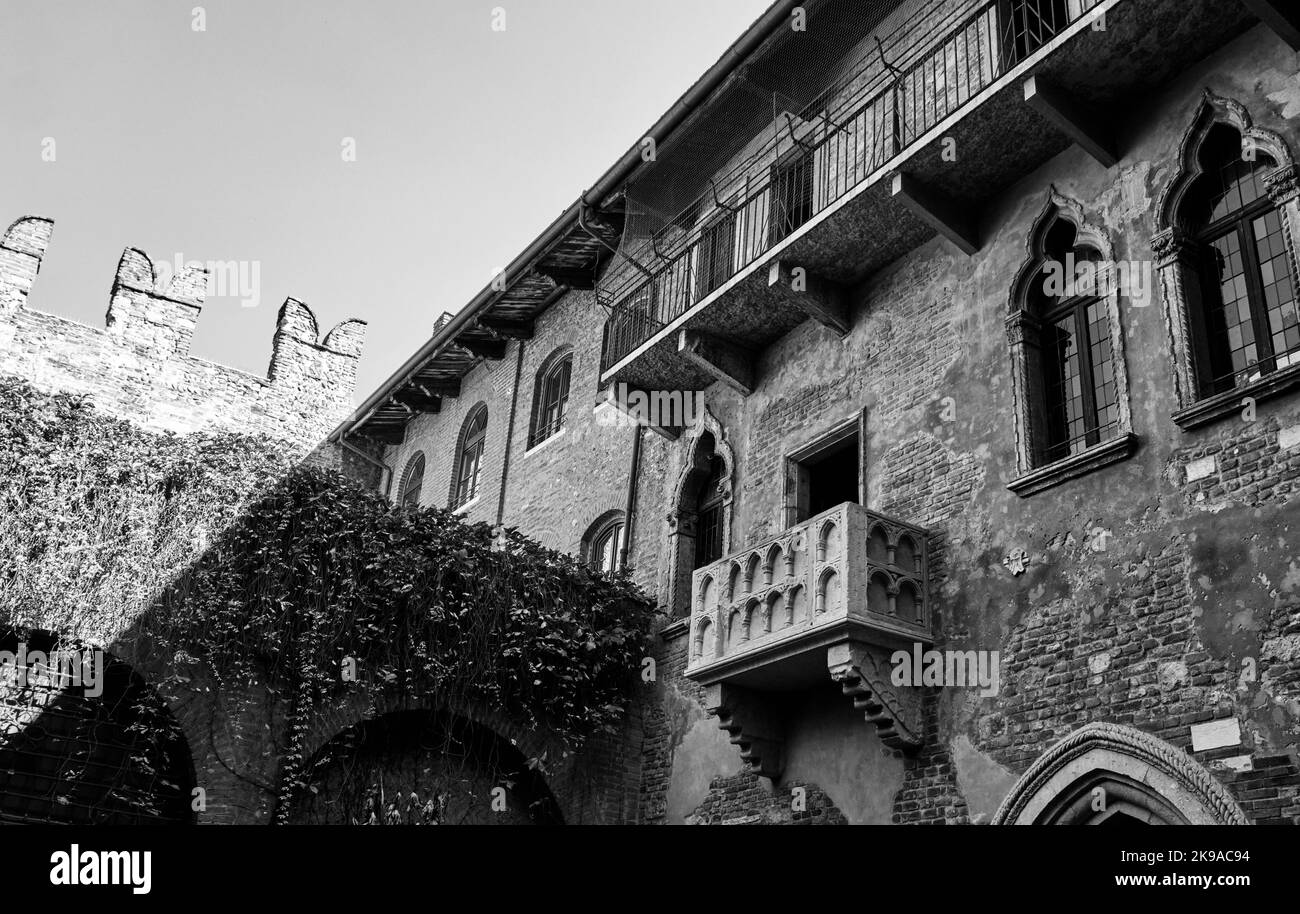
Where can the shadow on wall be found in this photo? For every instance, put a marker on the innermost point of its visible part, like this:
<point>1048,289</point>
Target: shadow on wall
<point>253,612</point>
<point>86,741</point>
<point>423,768</point>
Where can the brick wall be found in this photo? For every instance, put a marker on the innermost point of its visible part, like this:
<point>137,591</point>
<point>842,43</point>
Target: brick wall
<point>558,489</point>
<point>746,799</point>
<point>1152,583</point>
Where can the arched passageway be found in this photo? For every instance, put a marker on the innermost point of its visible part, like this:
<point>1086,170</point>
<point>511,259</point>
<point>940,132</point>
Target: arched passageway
<point>422,768</point>
<point>85,740</point>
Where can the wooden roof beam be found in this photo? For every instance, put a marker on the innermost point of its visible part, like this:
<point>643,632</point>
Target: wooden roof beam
<point>508,330</point>
<point>484,348</point>
<point>419,398</point>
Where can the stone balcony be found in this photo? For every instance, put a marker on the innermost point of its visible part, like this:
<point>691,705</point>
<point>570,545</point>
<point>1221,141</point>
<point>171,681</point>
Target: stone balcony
<point>833,596</point>
<point>878,194</point>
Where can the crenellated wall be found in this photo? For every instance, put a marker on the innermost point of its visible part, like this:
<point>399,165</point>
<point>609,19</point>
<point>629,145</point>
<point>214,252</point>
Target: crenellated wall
<point>139,367</point>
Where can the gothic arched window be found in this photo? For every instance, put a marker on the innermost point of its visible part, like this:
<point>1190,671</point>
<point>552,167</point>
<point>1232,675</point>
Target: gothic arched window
<point>1225,250</point>
<point>1069,380</point>
<point>550,397</point>
<point>1248,325</point>
<point>408,493</point>
<point>1077,370</point>
<point>700,520</point>
<point>710,500</point>
<point>469,457</point>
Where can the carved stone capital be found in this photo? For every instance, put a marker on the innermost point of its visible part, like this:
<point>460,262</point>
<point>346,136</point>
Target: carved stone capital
<point>862,671</point>
<point>1023,329</point>
<point>1171,245</point>
<point>1283,184</point>
<point>752,724</point>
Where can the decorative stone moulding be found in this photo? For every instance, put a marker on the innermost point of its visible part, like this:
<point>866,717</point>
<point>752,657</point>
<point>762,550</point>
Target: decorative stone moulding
<point>1017,560</point>
<point>834,595</point>
<point>1149,778</point>
<point>1176,260</point>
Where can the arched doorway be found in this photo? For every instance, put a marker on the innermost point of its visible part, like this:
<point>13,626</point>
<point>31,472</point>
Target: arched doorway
<point>1111,774</point>
<point>84,740</point>
<point>699,526</point>
<point>422,768</point>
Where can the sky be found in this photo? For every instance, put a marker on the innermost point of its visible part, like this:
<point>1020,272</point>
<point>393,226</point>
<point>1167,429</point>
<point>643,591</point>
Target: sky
<point>375,159</point>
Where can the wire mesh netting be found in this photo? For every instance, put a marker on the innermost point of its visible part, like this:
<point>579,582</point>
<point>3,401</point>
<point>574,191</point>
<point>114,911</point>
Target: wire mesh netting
<point>813,115</point>
<point>89,750</point>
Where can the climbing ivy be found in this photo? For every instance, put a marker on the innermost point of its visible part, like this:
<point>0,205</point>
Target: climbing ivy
<point>220,552</point>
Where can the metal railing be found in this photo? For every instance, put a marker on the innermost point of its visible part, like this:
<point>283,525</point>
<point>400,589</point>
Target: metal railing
<point>845,136</point>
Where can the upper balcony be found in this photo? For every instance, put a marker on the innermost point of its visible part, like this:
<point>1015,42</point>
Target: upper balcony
<point>911,138</point>
<point>832,597</point>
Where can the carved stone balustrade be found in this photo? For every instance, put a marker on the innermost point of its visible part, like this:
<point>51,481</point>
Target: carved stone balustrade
<point>834,595</point>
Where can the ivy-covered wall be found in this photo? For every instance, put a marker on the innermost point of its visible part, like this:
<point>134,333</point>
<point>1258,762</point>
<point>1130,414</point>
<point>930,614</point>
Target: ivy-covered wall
<point>274,607</point>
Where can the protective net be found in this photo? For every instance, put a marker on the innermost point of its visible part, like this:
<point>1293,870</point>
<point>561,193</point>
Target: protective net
<point>85,741</point>
<point>814,113</point>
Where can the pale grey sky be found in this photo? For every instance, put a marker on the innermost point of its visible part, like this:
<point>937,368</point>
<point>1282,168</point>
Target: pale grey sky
<point>225,144</point>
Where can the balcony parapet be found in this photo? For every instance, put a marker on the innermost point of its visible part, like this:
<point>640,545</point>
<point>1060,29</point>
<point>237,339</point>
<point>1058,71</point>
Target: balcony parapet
<point>834,595</point>
<point>876,166</point>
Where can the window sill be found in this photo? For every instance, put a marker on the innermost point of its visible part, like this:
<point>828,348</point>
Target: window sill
<point>1228,403</point>
<point>675,629</point>
<point>466,506</point>
<point>1094,458</point>
<point>541,444</point>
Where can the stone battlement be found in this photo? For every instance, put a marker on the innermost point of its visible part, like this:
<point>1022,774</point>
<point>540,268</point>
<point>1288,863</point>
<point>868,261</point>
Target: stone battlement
<point>138,366</point>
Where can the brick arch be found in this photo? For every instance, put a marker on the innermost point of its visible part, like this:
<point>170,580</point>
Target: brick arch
<point>412,482</point>
<point>596,529</point>
<point>471,417</point>
<point>551,363</point>
<point>362,706</point>
<point>413,733</point>
<point>212,735</point>
<point>98,734</point>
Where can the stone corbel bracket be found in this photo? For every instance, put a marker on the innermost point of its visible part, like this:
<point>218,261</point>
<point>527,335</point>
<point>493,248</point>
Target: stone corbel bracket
<point>752,725</point>
<point>862,671</point>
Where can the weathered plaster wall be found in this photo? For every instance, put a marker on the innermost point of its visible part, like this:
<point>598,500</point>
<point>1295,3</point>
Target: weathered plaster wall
<point>1145,592</point>
<point>828,743</point>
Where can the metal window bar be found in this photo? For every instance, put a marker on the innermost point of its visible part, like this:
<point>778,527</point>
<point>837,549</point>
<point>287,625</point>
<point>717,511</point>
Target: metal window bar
<point>1248,374</point>
<point>708,539</point>
<point>1089,437</point>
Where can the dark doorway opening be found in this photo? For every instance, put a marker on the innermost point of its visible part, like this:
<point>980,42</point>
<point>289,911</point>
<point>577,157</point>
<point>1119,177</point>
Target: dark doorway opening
<point>825,474</point>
